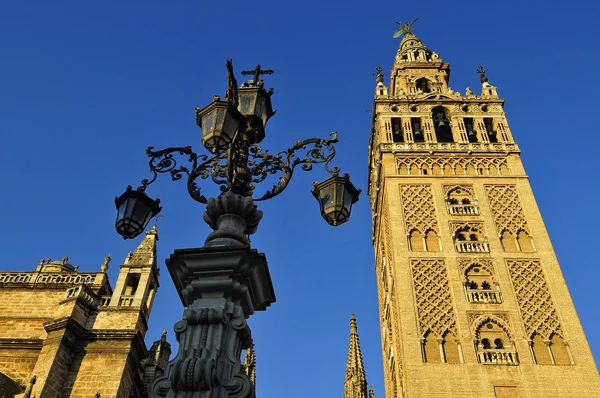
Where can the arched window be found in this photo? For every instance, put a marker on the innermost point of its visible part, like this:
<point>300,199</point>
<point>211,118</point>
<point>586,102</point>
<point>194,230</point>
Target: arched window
<point>509,242</point>
<point>502,351</point>
<point>423,85</point>
<point>525,242</point>
<point>460,201</point>
<point>478,285</point>
<point>441,124</point>
<point>417,244</point>
<point>469,238</point>
<point>432,241</point>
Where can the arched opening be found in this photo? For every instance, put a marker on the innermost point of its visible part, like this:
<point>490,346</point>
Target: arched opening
<point>423,85</point>
<point>460,201</point>
<point>509,243</point>
<point>470,127</point>
<point>480,285</point>
<point>525,242</point>
<point>441,124</point>
<point>470,238</point>
<point>417,243</point>
<point>559,351</point>
<point>495,346</point>
<point>431,349</point>
<point>451,348</point>
<point>432,241</point>
<point>540,350</point>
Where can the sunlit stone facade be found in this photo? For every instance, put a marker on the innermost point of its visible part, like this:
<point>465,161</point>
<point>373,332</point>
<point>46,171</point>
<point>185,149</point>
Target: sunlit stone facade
<point>472,299</point>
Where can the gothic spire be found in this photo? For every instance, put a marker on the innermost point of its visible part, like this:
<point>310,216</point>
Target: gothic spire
<point>355,385</point>
<point>145,254</point>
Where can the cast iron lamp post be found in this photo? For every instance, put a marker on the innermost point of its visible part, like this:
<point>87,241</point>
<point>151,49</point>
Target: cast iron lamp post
<point>226,281</point>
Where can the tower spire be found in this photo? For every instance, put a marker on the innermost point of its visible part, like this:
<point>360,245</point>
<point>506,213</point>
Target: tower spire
<point>355,385</point>
<point>145,253</point>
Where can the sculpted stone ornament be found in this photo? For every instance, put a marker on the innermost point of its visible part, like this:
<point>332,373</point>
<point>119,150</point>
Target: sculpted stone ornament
<point>232,217</point>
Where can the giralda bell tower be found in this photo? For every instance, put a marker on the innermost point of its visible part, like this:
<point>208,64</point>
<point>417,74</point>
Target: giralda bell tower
<point>472,299</point>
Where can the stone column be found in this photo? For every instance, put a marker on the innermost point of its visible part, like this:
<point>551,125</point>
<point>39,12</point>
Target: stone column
<point>221,284</point>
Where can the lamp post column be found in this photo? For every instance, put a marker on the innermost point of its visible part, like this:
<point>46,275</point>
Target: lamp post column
<point>222,284</point>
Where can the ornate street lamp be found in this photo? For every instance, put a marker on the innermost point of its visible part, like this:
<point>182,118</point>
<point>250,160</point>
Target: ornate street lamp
<point>336,196</point>
<point>226,281</point>
<point>134,211</point>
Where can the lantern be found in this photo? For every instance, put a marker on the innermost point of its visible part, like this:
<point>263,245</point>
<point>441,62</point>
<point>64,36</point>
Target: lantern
<point>255,103</point>
<point>219,122</point>
<point>336,196</point>
<point>134,211</point>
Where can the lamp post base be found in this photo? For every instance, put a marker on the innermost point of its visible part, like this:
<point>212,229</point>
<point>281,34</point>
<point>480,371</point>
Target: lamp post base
<point>221,287</point>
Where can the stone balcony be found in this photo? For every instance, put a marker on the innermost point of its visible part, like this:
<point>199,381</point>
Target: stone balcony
<point>484,296</point>
<point>463,209</point>
<point>471,246</point>
<point>498,356</point>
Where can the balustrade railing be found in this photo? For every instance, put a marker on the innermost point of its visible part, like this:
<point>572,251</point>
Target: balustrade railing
<point>126,301</point>
<point>104,300</point>
<point>48,277</point>
<point>83,293</point>
<point>484,296</point>
<point>471,246</point>
<point>498,356</point>
<point>452,146</point>
<point>463,209</point>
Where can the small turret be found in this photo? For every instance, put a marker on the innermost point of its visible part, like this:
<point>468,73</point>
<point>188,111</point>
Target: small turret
<point>158,358</point>
<point>138,279</point>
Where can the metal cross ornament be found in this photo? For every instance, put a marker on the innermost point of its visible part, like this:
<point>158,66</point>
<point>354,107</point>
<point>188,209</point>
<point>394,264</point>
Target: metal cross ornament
<point>257,72</point>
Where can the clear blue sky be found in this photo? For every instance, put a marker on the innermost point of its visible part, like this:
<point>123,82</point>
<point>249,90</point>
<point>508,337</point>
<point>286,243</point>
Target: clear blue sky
<point>86,86</point>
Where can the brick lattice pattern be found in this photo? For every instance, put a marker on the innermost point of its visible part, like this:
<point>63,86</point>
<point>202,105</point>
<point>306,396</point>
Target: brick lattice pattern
<point>537,309</point>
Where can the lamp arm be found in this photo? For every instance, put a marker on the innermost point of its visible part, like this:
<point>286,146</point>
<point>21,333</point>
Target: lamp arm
<point>262,163</point>
<point>164,161</point>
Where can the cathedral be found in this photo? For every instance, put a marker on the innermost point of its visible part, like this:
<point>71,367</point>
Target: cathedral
<point>471,296</point>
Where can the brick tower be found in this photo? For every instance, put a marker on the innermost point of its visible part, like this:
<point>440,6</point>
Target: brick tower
<point>472,299</point>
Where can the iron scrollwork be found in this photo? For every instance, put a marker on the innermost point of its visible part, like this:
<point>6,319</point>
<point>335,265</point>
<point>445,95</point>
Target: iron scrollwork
<point>224,169</point>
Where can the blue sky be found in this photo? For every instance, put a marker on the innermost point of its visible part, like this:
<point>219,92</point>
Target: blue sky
<point>85,87</point>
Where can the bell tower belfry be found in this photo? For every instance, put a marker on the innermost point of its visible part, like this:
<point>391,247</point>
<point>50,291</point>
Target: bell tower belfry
<point>472,298</point>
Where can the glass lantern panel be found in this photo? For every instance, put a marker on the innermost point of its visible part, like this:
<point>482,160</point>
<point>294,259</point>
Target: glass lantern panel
<point>261,109</point>
<point>247,101</point>
<point>131,204</point>
<point>339,197</point>
<point>219,118</point>
<point>208,122</point>
<point>122,208</point>
<point>327,199</point>
<point>348,198</point>
<point>141,213</point>
<point>230,127</point>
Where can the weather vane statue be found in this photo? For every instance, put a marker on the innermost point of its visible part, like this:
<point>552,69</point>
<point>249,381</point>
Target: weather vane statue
<point>405,27</point>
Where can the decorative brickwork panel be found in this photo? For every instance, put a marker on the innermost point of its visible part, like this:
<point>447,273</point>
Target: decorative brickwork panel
<point>507,209</point>
<point>418,207</point>
<point>537,308</point>
<point>452,165</point>
<point>432,293</point>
